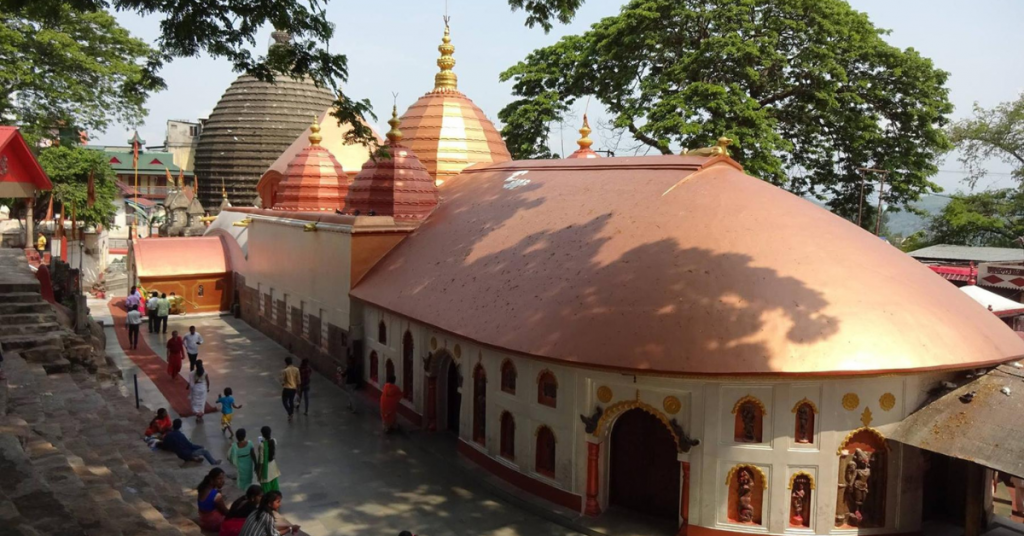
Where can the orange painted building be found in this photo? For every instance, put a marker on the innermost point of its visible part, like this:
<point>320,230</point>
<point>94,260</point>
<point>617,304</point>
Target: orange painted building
<point>195,268</point>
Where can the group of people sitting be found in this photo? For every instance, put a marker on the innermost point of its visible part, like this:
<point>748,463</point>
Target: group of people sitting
<point>165,434</point>
<point>253,514</point>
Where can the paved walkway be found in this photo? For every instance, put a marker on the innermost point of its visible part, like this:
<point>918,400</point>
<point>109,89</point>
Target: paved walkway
<point>340,475</point>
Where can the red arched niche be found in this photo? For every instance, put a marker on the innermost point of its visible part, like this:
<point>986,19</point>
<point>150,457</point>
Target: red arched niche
<point>374,366</point>
<point>749,423</point>
<point>746,495</point>
<point>804,424</point>
<point>863,468</point>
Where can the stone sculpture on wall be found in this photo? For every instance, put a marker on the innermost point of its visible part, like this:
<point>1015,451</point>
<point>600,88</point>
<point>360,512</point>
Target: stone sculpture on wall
<point>804,424</point>
<point>800,499</point>
<point>749,413</point>
<point>856,486</point>
<point>745,490</point>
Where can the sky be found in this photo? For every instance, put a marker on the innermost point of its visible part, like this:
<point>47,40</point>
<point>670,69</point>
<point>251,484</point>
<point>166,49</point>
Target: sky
<point>392,47</point>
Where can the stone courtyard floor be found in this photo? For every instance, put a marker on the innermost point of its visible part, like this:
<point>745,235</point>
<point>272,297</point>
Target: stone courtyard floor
<point>340,474</point>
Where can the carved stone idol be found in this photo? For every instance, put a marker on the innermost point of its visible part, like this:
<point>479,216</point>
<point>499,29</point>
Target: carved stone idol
<point>797,499</point>
<point>858,472</point>
<point>748,416</point>
<point>745,490</point>
<point>803,424</point>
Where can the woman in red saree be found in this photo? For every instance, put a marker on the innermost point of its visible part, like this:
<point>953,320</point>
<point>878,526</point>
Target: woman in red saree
<point>175,354</point>
<point>390,398</point>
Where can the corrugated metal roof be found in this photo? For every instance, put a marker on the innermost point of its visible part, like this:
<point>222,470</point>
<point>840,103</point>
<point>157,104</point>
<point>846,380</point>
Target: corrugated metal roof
<point>949,252</point>
<point>977,422</point>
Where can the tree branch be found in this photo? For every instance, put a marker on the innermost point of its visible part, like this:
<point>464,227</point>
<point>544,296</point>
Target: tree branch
<point>640,136</point>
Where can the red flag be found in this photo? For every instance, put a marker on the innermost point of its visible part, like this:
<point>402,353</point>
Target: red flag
<point>59,232</point>
<point>170,179</point>
<point>135,153</point>
<point>49,210</point>
<point>91,196</point>
<point>74,222</point>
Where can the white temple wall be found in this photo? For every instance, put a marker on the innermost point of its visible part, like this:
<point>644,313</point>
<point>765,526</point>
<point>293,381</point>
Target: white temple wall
<point>703,409</point>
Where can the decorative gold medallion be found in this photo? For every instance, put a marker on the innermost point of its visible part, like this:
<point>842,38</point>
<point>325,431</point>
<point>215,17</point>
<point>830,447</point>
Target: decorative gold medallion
<point>887,401</point>
<point>671,405</point>
<point>851,401</point>
<point>457,351</point>
<point>433,343</point>
<point>866,417</point>
<point>604,394</point>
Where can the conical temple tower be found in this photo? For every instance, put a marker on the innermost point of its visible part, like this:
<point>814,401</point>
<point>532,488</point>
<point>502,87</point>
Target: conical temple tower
<point>445,129</point>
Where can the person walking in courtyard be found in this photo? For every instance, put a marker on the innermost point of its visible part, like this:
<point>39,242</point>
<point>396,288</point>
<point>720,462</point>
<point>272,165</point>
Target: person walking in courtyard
<point>163,310</point>
<point>133,321</point>
<point>267,452</point>
<point>175,351</point>
<point>134,299</point>
<point>290,379</point>
<point>390,398</point>
<point>263,522</point>
<point>227,409</point>
<point>242,455</point>
<point>305,377</point>
<point>212,506</point>
<point>192,342</point>
<point>151,312</point>
<point>176,442</point>
<point>199,386</point>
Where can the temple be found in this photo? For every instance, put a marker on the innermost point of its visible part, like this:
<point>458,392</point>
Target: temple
<point>657,334</point>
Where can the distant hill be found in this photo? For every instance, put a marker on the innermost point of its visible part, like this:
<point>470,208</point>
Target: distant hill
<point>907,223</point>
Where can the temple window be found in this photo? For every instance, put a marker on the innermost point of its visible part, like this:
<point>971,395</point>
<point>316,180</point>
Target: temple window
<point>374,375</point>
<point>547,389</point>
<point>801,485</point>
<point>382,333</point>
<point>863,460</point>
<point>749,424</point>
<point>804,413</point>
<point>480,405</point>
<point>508,436</point>
<point>389,371</point>
<point>746,494</point>
<point>508,377</point>
<point>545,463</point>
<point>407,365</point>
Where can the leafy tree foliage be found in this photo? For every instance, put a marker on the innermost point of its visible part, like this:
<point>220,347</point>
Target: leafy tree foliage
<point>996,133</point>
<point>808,89</point>
<point>991,218</point>
<point>221,28</point>
<point>70,69</point>
<point>68,168</point>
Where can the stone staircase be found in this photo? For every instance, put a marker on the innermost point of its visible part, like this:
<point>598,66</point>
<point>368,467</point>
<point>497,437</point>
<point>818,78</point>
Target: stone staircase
<point>72,461</point>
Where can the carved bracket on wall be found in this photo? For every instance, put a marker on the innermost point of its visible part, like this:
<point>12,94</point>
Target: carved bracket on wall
<point>685,442</point>
<point>590,423</point>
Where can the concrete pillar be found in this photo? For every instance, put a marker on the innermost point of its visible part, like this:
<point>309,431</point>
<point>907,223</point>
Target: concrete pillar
<point>30,234</point>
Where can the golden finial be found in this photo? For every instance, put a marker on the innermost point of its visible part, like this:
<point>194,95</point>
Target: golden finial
<point>394,135</point>
<point>585,141</point>
<point>446,79</point>
<point>223,190</point>
<point>719,149</point>
<point>314,133</point>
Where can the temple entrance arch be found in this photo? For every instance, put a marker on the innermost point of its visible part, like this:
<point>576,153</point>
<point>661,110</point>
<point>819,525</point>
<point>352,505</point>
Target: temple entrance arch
<point>453,398</point>
<point>443,396</point>
<point>644,467</point>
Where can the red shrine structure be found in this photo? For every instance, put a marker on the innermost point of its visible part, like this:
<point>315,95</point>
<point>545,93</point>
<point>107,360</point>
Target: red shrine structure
<point>21,177</point>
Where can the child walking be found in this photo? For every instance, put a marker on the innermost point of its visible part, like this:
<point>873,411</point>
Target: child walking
<point>227,410</point>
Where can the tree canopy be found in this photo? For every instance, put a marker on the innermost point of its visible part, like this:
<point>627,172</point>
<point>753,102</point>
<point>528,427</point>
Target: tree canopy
<point>991,218</point>
<point>72,70</point>
<point>87,41</point>
<point>68,168</point>
<point>995,133</point>
<point>809,91</point>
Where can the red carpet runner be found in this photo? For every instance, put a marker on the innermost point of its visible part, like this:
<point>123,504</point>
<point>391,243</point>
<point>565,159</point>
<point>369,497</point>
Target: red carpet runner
<point>156,368</point>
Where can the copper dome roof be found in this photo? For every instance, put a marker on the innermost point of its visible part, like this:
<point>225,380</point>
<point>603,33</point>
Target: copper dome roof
<point>446,130</point>
<point>252,124</point>
<point>314,179</point>
<point>675,265</point>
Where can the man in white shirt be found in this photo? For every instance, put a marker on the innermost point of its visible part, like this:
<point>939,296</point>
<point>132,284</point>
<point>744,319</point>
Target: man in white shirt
<point>133,321</point>
<point>192,342</point>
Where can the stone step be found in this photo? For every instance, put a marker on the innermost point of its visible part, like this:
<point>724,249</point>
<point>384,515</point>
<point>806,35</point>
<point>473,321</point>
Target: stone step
<point>25,308</point>
<point>7,330</point>
<point>27,318</point>
<point>50,340</point>
<point>26,285</point>
<point>21,297</point>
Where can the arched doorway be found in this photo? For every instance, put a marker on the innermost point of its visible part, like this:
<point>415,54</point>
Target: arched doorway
<point>454,397</point>
<point>644,469</point>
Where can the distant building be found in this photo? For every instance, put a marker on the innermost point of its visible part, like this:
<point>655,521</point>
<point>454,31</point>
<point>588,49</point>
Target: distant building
<point>999,269</point>
<point>181,141</point>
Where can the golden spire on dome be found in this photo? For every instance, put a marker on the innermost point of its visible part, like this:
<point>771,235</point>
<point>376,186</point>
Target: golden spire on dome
<point>585,142</point>
<point>446,80</point>
<point>314,133</point>
<point>223,189</point>
<point>394,135</point>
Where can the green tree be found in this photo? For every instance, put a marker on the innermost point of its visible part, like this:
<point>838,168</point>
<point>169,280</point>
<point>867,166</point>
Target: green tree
<point>996,133</point>
<point>69,168</point>
<point>220,28</point>
<point>991,218</point>
<point>71,69</point>
<point>808,90</point>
